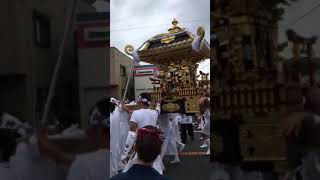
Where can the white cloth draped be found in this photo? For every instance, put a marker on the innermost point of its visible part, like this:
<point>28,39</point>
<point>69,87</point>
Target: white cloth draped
<point>169,146</point>
<point>175,125</point>
<point>114,142</point>
<point>136,57</point>
<point>197,43</point>
<point>119,131</point>
<point>206,128</point>
<point>124,129</point>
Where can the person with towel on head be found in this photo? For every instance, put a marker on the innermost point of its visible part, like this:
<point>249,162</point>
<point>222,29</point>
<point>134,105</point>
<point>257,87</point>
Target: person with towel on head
<point>119,128</point>
<point>148,147</point>
<point>139,119</point>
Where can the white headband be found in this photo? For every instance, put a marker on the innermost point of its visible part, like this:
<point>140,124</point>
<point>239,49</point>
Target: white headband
<point>142,99</point>
<point>114,101</point>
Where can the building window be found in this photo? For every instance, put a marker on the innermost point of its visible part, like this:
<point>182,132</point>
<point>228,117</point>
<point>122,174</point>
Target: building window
<point>41,29</point>
<point>123,71</point>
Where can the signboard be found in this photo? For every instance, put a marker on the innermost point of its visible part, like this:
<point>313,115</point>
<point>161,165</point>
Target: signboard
<point>93,30</point>
<point>145,71</point>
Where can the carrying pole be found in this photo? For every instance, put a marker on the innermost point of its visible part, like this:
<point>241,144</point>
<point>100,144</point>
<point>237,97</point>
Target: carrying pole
<point>69,23</point>
<point>128,81</point>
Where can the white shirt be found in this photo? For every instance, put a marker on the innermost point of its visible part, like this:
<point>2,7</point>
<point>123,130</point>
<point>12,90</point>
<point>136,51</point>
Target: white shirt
<point>91,166</point>
<point>186,119</point>
<point>28,164</point>
<point>177,118</point>
<point>145,117</point>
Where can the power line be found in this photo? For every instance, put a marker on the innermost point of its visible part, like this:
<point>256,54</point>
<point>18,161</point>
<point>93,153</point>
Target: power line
<point>303,16</point>
<point>143,27</point>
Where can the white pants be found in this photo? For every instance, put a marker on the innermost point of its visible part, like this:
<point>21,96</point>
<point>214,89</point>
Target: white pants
<point>169,145</point>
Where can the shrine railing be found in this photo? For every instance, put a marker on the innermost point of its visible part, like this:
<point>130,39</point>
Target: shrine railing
<point>182,93</point>
<point>255,99</point>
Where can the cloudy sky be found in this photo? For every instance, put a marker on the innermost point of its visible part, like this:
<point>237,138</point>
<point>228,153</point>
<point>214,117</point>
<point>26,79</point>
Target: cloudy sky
<point>135,21</point>
<point>299,17</point>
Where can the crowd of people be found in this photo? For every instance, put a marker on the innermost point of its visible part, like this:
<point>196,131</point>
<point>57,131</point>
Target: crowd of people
<point>126,124</point>
<point>31,154</point>
<point>119,143</point>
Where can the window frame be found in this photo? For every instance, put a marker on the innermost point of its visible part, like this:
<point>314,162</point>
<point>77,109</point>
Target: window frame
<point>123,71</point>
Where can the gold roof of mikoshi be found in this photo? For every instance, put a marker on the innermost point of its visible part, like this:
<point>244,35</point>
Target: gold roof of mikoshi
<point>172,46</point>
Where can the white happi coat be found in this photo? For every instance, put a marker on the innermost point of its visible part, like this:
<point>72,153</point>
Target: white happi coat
<point>119,127</point>
<point>141,122</point>
<point>169,146</point>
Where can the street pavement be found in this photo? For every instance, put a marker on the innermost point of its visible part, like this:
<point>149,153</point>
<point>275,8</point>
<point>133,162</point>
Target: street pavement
<point>194,164</point>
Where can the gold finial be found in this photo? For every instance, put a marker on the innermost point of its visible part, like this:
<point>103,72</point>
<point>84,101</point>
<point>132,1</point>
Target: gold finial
<point>175,28</point>
<point>175,22</point>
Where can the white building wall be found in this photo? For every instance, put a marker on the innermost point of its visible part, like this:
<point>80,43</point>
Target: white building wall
<point>93,78</point>
<point>142,82</point>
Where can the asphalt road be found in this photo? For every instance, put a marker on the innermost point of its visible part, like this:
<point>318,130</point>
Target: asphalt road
<point>194,164</point>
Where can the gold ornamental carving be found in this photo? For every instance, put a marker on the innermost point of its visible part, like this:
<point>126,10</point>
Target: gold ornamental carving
<point>200,31</point>
<point>167,39</point>
<point>129,49</point>
<point>170,107</point>
<point>176,76</point>
<point>175,28</point>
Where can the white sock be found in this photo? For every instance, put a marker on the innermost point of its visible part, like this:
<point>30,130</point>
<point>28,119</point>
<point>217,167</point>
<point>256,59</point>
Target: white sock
<point>176,157</point>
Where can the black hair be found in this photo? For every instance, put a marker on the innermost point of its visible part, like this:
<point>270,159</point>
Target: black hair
<point>148,147</point>
<point>146,96</point>
<point>104,106</point>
